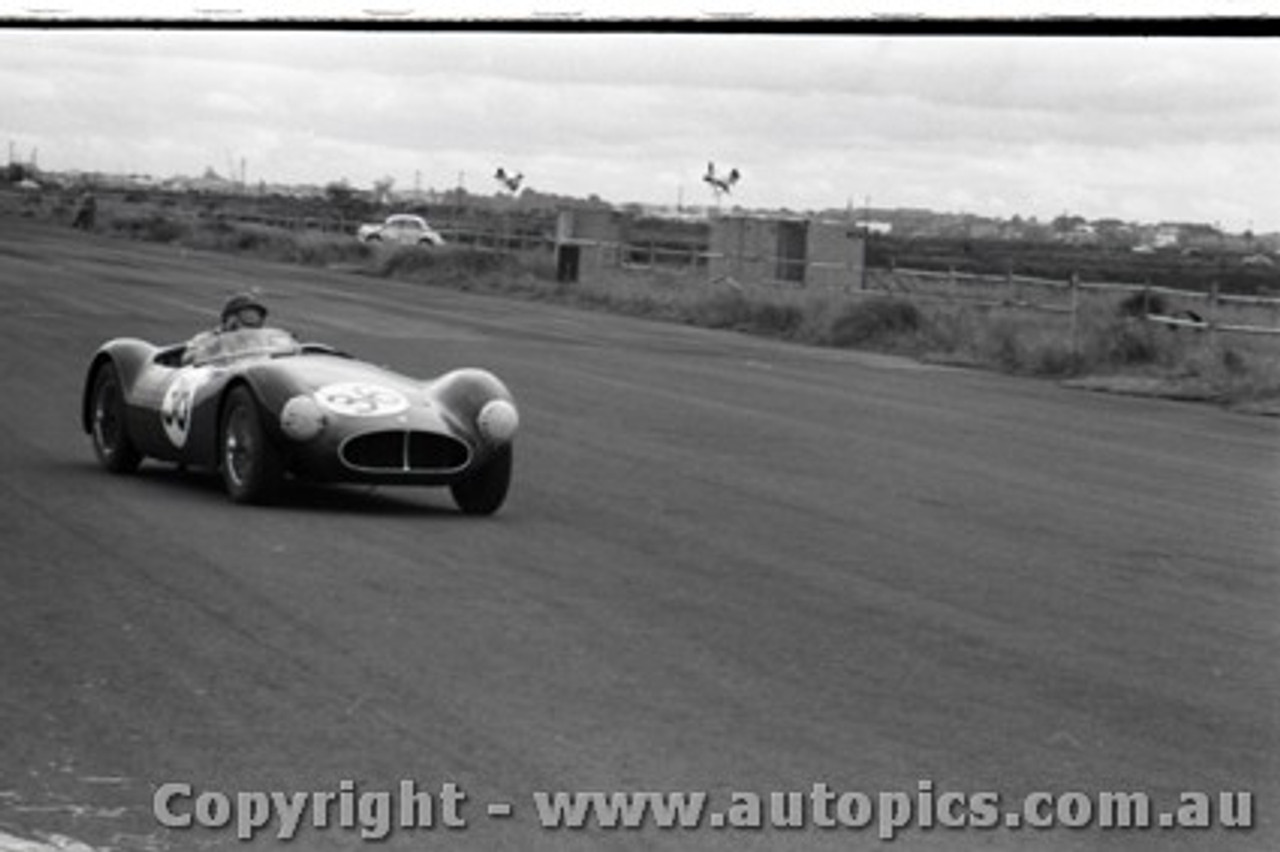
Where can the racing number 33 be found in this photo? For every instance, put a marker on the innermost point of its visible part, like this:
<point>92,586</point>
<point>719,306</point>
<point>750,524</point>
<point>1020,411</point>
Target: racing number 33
<point>356,399</point>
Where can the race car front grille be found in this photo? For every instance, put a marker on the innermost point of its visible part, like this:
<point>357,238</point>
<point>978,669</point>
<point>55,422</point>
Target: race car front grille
<point>400,451</point>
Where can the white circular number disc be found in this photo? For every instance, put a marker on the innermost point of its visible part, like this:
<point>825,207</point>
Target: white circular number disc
<point>358,399</point>
<point>179,399</point>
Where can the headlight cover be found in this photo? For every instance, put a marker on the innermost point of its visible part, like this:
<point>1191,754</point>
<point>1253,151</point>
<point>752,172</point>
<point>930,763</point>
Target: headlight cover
<point>498,421</point>
<point>302,418</point>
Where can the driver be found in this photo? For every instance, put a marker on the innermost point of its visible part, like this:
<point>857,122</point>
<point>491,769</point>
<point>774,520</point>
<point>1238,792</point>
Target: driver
<point>242,311</point>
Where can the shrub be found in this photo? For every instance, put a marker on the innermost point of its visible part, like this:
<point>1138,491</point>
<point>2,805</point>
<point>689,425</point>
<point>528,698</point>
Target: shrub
<point>154,228</point>
<point>450,263</point>
<point>1128,343</point>
<point>1056,359</point>
<point>1140,304</point>
<point>878,321</point>
<point>722,309</point>
<point>1003,345</point>
<point>777,319</point>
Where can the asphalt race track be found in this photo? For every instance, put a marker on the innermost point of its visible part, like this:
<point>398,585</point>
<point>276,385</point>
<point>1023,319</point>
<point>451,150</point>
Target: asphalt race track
<point>727,564</point>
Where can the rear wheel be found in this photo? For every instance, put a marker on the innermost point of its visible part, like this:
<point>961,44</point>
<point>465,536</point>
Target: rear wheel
<point>484,492</point>
<point>110,437</point>
<point>252,470</point>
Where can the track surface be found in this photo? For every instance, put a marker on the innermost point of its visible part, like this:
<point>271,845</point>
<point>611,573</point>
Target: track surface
<point>727,564</point>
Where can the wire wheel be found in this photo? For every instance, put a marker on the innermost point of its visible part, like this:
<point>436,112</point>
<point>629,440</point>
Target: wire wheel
<point>110,436</point>
<point>251,468</point>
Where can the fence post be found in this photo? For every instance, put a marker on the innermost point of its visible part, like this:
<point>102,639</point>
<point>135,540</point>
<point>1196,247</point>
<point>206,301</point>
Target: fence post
<point>1075,315</point>
<point>1211,321</point>
<point>866,260</point>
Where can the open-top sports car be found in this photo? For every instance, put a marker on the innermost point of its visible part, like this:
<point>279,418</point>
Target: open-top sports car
<point>257,405</point>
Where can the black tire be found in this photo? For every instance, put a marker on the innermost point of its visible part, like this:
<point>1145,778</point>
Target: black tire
<point>251,467</point>
<point>484,492</point>
<point>107,426</point>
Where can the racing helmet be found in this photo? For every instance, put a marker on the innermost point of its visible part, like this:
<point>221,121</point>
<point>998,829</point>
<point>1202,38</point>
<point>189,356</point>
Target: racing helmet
<point>240,310</point>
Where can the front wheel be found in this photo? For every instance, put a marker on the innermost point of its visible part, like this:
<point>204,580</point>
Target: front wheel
<point>251,467</point>
<point>111,441</point>
<point>484,491</point>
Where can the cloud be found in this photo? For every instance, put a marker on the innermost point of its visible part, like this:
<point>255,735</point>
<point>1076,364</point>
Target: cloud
<point>1143,128</point>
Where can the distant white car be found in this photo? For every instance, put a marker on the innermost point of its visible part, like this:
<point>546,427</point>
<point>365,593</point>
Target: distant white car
<point>403,229</point>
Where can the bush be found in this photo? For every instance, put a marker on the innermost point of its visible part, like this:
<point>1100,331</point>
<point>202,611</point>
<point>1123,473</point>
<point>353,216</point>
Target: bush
<point>1140,304</point>
<point>878,321</point>
<point>1056,359</point>
<point>722,309</point>
<point>1128,343</point>
<point>449,263</point>
<point>775,318</point>
<point>1003,345</point>
<point>154,228</point>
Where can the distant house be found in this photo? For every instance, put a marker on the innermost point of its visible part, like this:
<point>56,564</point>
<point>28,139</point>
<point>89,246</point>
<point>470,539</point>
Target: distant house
<point>1203,237</point>
<point>1081,233</point>
<point>874,228</point>
<point>210,182</point>
<point>1166,236</point>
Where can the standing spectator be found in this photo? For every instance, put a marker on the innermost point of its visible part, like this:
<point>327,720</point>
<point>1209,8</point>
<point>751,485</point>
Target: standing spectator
<point>86,211</point>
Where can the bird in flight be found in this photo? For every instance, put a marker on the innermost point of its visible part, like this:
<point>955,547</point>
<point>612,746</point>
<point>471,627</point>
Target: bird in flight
<point>720,185</point>
<point>510,181</point>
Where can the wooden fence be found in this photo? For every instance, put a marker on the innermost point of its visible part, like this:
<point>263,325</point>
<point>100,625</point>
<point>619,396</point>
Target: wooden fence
<point>1023,292</point>
<point>1064,297</point>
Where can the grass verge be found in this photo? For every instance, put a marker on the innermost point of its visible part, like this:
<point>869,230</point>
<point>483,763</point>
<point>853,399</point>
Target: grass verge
<point>1107,347</point>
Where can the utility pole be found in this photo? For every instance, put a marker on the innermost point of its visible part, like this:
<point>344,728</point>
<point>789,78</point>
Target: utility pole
<point>866,235</point>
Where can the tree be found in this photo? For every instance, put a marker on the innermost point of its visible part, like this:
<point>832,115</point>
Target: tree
<point>346,200</point>
<point>339,193</point>
<point>382,190</point>
<point>1066,223</point>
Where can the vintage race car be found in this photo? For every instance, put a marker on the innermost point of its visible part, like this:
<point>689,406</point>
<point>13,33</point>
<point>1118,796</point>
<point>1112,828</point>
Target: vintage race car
<point>258,406</point>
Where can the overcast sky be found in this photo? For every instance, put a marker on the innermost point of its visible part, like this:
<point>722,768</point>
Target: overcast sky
<point>1139,129</point>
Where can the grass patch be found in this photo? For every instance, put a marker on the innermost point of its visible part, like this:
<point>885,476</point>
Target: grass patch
<point>153,227</point>
<point>1109,337</point>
